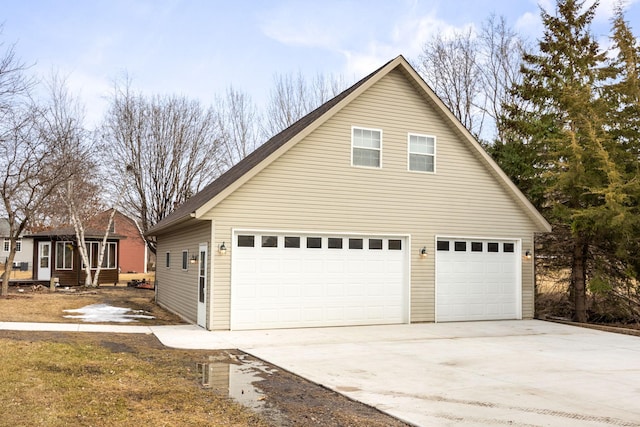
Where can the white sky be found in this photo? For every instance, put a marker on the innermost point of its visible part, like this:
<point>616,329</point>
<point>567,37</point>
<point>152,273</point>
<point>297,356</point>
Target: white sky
<point>198,48</point>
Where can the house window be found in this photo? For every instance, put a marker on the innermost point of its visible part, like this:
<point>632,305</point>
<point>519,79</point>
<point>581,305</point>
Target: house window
<point>7,245</point>
<point>64,256</point>
<point>422,153</point>
<point>366,147</point>
<point>167,260</point>
<point>185,260</point>
<point>109,260</point>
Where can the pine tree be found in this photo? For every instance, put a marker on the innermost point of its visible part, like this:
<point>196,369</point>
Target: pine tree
<point>565,123</point>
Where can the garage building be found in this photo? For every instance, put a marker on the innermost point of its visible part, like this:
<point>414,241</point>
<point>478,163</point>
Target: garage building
<point>378,207</point>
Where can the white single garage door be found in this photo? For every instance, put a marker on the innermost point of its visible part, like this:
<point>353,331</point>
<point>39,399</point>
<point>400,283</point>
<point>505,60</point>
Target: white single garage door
<point>298,280</point>
<point>477,280</point>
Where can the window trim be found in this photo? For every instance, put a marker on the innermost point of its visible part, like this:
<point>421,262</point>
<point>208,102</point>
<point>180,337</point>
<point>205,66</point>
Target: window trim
<point>353,128</point>
<point>409,152</point>
<point>64,244</point>
<point>6,245</point>
<point>105,260</point>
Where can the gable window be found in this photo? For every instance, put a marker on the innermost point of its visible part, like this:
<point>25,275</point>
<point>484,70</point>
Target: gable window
<point>366,147</point>
<point>64,256</point>
<point>422,153</point>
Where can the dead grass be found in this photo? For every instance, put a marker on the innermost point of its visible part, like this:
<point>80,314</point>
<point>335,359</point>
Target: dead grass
<point>44,306</point>
<point>92,380</point>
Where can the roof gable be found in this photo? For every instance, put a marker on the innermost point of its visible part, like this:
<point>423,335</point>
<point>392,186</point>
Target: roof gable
<point>218,190</point>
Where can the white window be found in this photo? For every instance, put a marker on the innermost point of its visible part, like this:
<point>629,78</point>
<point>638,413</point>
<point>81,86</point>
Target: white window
<point>422,153</point>
<point>7,245</point>
<point>64,256</point>
<point>366,147</point>
<point>110,254</point>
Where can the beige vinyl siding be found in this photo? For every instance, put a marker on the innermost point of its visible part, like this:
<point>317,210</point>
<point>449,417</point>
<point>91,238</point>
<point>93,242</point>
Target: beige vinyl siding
<point>313,187</point>
<point>177,288</point>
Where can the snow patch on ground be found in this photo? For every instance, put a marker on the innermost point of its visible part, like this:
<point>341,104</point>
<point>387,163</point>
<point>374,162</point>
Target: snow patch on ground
<point>107,313</point>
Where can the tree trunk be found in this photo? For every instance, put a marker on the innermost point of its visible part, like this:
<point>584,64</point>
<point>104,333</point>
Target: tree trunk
<point>8,266</point>
<point>579,279</point>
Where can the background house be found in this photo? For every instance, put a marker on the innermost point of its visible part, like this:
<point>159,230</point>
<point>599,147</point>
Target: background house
<point>378,207</point>
<point>24,248</point>
<point>134,254</point>
<point>56,255</point>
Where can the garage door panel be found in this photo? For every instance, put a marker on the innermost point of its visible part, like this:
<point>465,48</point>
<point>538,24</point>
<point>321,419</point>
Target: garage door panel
<point>476,284</point>
<point>303,287</point>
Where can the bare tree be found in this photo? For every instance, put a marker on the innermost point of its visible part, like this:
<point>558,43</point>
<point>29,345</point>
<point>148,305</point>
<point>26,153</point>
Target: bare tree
<point>239,124</point>
<point>167,147</point>
<point>501,52</point>
<point>293,96</point>
<point>80,192</point>
<point>31,167</point>
<point>450,67</point>
<point>473,73</point>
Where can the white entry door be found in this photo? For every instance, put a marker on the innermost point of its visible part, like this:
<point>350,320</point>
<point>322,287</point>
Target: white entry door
<point>44,260</point>
<point>202,286</point>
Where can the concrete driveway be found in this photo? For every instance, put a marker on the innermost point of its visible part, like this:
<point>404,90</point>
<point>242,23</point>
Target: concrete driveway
<point>525,373</point>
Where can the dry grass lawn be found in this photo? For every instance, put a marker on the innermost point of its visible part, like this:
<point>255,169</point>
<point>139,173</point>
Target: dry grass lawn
<point>45,306</point>
<point>97,380</point>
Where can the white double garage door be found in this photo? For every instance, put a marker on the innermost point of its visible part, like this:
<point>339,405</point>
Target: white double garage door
<point>291,280</point>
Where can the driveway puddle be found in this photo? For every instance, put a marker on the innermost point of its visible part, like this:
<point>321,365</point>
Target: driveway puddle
<point>236,376</point>
<point>107,313</point>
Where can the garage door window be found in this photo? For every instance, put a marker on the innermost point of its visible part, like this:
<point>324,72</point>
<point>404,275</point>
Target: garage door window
<point>460,246</point>
<point>443,245</point>
<point>508,247</point>
<point>291,242</point>
<point>335,243</point>
<point>476,246</point>
<point>375,244</point>
<point>314,242</point>
<point>493,247</point>
<point>355,243</point>
<point>246,241</point>
<point>269,241</point>
<point>395,245</point>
